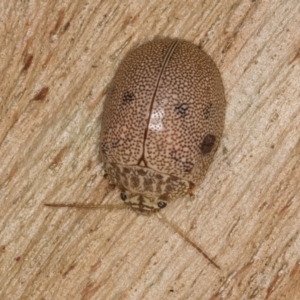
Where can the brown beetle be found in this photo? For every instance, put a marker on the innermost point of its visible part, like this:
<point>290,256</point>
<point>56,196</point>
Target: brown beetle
<point>162,122</point>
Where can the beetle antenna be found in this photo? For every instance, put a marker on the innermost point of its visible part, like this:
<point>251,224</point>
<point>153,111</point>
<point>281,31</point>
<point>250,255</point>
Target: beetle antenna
<point>177,230</point>
<point>88,206</point>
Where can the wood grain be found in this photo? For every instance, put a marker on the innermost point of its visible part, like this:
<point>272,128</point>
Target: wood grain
<point>56,61</point>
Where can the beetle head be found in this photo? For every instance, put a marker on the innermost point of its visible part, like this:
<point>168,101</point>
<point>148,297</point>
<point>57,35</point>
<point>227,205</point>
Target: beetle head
<point>143,204</point>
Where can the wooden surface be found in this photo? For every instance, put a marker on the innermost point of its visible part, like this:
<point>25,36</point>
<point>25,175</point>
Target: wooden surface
<point>56,61</point>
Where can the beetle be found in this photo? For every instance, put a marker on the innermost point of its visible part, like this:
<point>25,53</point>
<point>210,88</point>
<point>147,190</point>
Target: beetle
<point>162,122</point>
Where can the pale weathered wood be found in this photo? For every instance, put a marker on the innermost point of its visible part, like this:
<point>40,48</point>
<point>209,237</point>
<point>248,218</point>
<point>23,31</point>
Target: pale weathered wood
<point>56,61</point>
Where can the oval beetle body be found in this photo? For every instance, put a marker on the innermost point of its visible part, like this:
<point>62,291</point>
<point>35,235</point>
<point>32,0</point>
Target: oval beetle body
<point>162,122</point>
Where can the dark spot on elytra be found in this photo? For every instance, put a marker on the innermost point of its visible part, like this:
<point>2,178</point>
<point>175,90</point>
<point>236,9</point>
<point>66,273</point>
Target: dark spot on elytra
<point>207,110</point>
<point>208,143</point>
<point>128,97</point>
<point>188,166</point>
<point>181,109</point>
